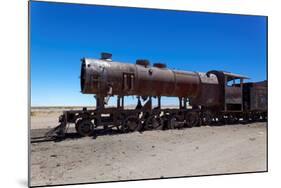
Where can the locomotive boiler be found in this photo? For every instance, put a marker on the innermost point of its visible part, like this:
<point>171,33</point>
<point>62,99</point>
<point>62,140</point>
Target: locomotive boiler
<point>104,77</point>
<point>204,98</point>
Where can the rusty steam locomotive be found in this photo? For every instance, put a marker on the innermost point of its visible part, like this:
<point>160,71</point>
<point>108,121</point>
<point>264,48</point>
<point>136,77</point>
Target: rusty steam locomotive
<point>215,97</point>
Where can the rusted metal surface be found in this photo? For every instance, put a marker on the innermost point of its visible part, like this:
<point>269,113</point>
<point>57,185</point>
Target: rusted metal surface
<point>214,97</point>
<point>258,98</point>
<point>106,77</point>
<point>208,95</point>
<point>230,94</point>
<point>233,95</point>
<point>255,96</point>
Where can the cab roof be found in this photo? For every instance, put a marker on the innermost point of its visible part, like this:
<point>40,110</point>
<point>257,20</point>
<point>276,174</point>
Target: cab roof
<point>232,76</point>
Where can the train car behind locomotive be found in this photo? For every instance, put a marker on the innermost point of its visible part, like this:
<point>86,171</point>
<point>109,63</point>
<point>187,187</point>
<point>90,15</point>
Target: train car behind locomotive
<point>214,97</point>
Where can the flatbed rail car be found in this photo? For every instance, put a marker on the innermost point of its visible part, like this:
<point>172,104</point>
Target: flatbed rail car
<point>204,98</point>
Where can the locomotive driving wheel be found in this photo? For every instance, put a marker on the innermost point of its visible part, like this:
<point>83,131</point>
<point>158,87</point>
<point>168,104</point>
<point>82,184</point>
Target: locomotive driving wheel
<point>192,119</point>
<point>206,118</point>
<point>245,118</point>
<point>84,127</point>
<point>132,123</point>
<point>232,119</point>
<point>255,117</point>
<point>153,122</point>
<point>172,123</point>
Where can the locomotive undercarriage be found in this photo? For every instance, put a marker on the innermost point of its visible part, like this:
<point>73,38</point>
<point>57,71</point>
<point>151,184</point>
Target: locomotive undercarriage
<point>147,118</point>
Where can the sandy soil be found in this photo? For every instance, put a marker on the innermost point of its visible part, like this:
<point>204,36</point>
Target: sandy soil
<point>151,154</point>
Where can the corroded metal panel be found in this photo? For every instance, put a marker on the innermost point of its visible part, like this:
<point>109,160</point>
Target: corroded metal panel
<point>186,84</point>
<point>209,91</point>
<point>233,95</point>
<point>258,96</point>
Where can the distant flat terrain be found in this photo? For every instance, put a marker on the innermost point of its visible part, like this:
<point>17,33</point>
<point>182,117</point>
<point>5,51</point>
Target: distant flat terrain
<point>47,117</point>
<point>151,154</point>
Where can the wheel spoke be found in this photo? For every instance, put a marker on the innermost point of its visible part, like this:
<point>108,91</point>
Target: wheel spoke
<point>84,127</point>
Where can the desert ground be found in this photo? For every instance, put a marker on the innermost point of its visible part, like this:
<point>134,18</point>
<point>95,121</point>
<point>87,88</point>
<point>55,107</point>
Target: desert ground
<point>150,154</point>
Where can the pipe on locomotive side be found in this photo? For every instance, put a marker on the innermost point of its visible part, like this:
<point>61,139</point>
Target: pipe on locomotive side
<point>103,77</point>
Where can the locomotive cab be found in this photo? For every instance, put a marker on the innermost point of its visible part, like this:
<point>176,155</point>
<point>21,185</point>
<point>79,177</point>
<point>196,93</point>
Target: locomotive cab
<point>233,98</point>
<point>231,87</point>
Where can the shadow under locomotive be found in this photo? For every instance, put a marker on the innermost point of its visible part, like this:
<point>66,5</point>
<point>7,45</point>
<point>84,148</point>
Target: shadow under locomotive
<point>212,98</point>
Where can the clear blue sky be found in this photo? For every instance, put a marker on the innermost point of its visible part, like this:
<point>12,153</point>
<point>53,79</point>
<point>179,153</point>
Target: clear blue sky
<point>61,34</point>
